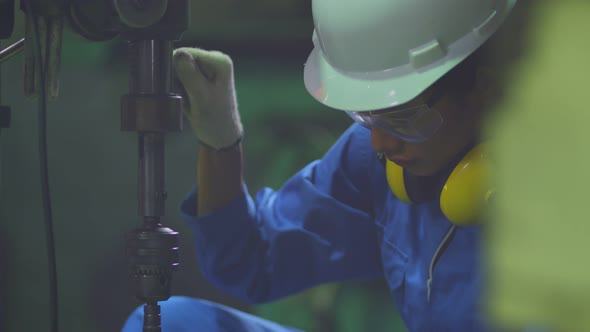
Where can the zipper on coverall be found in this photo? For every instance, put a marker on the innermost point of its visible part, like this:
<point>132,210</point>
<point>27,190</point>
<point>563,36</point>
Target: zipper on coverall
<point>437,254</point>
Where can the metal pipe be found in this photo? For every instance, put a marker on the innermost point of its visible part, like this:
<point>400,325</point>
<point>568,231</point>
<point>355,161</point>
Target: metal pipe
<point>152,321</point>
<point>151,179</point>
<point>151,74</point>
<point>12,50</point>
<point>150,66</point>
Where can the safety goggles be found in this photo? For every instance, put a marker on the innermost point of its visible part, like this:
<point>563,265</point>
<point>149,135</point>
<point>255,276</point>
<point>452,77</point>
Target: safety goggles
<point>411,124</point>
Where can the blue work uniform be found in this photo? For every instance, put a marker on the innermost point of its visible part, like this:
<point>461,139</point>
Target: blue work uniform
<point>337,220</point>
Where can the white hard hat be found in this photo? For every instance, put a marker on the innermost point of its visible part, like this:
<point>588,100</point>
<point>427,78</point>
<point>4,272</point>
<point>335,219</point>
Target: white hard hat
<point>375,54</point>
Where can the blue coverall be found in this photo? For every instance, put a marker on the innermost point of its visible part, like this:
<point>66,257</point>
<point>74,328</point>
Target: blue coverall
<point>335,220</point>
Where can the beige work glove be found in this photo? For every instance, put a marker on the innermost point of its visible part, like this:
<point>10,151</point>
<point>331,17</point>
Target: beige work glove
<point>209,95</point>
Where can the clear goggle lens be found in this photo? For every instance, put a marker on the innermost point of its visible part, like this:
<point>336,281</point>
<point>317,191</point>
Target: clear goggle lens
<point>416,124</point>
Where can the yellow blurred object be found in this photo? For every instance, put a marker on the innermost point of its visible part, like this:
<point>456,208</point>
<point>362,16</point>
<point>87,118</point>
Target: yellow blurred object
<point>538,237</point>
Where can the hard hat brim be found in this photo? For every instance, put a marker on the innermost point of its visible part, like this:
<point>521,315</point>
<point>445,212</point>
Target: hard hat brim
<point>371,90</point>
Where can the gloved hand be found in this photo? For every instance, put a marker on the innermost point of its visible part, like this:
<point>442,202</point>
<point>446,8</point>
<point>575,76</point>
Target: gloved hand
<point>210,104</point>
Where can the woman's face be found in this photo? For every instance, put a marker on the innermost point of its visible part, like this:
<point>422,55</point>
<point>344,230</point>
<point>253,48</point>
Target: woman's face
<point>461,127</point>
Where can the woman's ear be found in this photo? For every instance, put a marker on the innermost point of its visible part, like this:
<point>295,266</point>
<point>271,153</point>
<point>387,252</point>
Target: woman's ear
<point>482,97</point>
<point>487,88</point>
<point>485,92</point>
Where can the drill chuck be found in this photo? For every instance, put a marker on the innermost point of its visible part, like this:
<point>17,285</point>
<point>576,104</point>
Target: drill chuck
<point>152,254</point>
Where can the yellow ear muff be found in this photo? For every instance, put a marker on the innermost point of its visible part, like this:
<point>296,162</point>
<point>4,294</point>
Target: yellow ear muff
<point>395,179</point>
<point>467,190</point>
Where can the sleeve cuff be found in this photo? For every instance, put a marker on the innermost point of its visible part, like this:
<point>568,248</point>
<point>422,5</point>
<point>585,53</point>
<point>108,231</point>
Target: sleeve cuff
<point>237,212</point>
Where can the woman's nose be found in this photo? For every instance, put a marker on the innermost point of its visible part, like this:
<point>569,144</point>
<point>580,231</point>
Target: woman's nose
<point>384,142</point>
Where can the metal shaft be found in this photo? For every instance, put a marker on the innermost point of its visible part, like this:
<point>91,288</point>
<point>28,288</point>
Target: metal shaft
<point>151,181</point>
<point>150,66</point>
<point>152,110</point>
<point>152,321</point>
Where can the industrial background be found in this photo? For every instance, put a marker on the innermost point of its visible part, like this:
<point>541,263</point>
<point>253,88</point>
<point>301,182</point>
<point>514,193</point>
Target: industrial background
<point>93,173</point>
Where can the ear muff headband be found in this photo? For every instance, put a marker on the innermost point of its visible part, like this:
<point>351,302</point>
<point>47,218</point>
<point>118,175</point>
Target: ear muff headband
<point>466,191</point>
